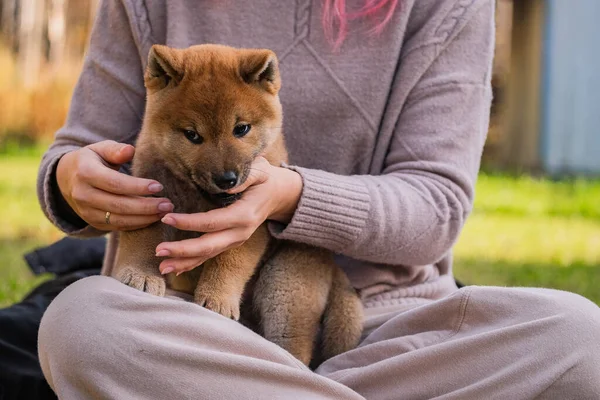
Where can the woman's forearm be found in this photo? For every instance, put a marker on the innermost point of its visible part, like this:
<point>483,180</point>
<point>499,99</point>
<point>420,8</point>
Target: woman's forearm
<point>413,212</point>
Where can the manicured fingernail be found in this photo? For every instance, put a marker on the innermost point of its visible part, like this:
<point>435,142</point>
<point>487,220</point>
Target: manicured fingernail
<point>166,207</point>
<point>179,273</point>
<point>155,187</point>
<point>168,221</point>
<point>168,270</point>
<point>163,253</point>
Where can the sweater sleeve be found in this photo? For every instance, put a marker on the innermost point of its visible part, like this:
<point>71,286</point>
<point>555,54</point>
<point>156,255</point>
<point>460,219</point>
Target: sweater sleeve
<point>413,212</point>
<point>107,104</point>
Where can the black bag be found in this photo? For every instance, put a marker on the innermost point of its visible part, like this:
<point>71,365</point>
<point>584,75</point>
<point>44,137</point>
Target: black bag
<point>70,260</point>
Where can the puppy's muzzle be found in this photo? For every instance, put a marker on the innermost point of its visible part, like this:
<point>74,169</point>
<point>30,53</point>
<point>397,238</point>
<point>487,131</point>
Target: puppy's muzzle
<point>224,199</point>
<point>226,181</point>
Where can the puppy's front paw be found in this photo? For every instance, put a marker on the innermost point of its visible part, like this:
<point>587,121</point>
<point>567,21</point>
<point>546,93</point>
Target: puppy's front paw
<point>153,284</point>
<point>228,306</point>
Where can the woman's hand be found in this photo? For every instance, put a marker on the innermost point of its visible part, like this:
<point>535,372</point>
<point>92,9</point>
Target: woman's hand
<point>269,193</point>
<point>90,183</point>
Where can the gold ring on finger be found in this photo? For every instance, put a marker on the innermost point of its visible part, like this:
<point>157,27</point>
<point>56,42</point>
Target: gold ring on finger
<point>107,218</point>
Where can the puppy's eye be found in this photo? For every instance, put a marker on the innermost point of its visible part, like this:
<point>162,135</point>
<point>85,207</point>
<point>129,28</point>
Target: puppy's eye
<point>241,130</point>
<point>193,136</point>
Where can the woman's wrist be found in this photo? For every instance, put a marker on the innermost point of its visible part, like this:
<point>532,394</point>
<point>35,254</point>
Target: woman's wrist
<point>289,189</point>
<point>64,209</point>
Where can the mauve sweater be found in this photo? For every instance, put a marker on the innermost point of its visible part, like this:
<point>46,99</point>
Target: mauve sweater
<point>387,133</point>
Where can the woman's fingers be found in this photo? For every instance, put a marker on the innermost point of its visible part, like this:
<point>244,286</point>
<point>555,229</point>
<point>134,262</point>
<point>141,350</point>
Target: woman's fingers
<point>199,249</point>
<point>90,183</point>
<point>180,265</point>
<point>126,205</point>
<point>97,218</point>
<point>215,220</point>
<point>223,228</point>
<point>112,152</point>
<point>118,183</point>
<point>259,173</point>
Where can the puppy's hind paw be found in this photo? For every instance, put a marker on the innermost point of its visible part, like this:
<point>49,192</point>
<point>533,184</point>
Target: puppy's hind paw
<point>153,284</point>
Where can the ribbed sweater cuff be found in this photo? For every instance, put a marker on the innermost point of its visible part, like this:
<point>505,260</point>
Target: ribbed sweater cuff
<point>331,213</point>
<point>50,202</point>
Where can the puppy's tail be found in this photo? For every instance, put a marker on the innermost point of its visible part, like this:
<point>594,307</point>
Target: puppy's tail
<point>343,319</point>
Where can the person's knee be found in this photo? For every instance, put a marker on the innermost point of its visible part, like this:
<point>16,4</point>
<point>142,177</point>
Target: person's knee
<point>75,323</point>
<point>577,337</point>
<point>579,315</point>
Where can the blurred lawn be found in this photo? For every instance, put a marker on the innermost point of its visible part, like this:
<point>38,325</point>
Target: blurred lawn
<point>23,227</point>
<point>523,232</point>
<point>527,232</point>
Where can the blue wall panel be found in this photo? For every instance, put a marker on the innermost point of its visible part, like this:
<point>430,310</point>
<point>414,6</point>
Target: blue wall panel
<point>570,137</point>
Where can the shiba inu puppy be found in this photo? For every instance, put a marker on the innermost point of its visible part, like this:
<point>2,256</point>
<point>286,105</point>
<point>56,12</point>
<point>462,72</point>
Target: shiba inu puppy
<point>210,111</point>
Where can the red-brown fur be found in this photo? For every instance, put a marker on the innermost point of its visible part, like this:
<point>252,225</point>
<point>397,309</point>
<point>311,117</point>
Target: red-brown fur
<point>210,89</point>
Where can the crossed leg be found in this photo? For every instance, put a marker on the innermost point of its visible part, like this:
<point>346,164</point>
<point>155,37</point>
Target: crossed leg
<point>101,339</point>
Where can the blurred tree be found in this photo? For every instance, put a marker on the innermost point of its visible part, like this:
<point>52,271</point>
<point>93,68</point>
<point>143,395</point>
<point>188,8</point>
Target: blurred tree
<point>31,37</point>
<point>56,33</point>
<point>92,9</point>
<point>8,23</point>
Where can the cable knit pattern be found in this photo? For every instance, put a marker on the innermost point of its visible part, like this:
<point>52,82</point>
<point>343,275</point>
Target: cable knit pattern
<point>451,21</point>
<point>302,25</point>
<point>142,24</point>
<point>387,140</point>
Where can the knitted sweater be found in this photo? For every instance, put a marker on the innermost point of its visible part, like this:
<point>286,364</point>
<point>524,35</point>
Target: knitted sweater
<point>387,133</point>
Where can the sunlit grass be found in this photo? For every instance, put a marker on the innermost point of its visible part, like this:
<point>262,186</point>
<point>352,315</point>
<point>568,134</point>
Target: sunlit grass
<point>21,214</point>
<point>23,226</point>
<point>531,232</point>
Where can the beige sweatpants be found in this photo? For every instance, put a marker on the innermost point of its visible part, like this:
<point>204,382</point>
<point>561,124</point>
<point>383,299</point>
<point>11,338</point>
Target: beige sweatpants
<point>103,340</point>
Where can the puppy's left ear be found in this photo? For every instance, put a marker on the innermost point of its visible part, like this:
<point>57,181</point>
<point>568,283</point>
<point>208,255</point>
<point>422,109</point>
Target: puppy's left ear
<point>260,67</point>
<point>165,67</point>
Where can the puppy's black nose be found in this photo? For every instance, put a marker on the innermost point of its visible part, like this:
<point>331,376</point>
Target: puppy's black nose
<point>226,181</point>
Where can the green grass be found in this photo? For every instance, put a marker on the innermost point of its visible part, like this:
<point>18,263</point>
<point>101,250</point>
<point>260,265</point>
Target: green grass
<point>24,226</point>
<point>530,232</point>
<point>523,231</point>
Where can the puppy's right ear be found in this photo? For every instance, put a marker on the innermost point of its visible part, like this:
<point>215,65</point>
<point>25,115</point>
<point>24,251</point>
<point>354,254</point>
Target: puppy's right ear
<point>165,65</point>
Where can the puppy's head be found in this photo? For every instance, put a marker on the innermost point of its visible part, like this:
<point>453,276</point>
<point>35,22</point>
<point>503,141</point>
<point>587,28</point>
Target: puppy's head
<point>211,110</point>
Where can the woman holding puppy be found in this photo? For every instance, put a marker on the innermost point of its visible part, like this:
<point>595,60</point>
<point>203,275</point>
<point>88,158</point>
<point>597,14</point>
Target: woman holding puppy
<point>385,133</point>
